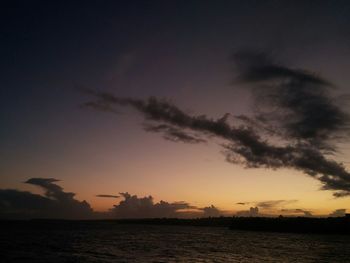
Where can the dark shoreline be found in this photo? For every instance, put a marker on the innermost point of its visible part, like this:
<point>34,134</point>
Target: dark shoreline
<point>339,225</point>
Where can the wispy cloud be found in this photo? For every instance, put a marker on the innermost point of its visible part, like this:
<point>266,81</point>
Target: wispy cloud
<point>295,109</point>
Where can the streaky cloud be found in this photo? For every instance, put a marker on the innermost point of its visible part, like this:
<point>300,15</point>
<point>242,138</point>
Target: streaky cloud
<point>108,196</point>
<point>304,212</point>
<point>296,123</point>
<point>274,203</point>
<point>269,204</point>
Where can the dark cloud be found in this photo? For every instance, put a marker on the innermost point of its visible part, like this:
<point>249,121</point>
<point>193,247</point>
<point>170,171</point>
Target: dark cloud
<point>306,213</point>
<point>255,66</point>
<point>272,207</point>
<point>54,204</point>
<point>133,206</point>
<point>252,212</point>
<point>338,213</point>
<point>144,207</point>
<point>274,203</point>
<point>20,204</point>
<point>52,190</point>
<point>296,102</point>
<point>57,204</point>
<point>270,204</point>
<point>211,211</point>
<point>108,196</point>
<point>297,105</point>
<point>344,193</point>
<point>296,122</point>
<point>303,157</point>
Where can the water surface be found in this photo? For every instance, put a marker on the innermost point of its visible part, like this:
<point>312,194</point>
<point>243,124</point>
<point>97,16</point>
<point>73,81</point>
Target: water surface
<point>111,242</point>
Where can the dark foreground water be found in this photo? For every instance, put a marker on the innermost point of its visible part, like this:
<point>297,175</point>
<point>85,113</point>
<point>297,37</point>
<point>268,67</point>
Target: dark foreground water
<point>110,242</point>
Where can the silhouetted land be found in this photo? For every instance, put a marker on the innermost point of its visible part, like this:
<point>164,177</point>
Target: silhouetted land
<point>339,225</point>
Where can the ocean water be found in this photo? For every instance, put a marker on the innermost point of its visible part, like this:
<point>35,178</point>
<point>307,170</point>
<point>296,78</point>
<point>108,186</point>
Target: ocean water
<point>110,242</point>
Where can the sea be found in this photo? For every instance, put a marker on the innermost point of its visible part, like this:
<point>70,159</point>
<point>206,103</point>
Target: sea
<point>69,241</point>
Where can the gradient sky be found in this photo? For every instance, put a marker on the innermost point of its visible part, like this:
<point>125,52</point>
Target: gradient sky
<point>178,50</point>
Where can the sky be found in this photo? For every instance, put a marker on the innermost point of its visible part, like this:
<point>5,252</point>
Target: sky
<point>174,108</point>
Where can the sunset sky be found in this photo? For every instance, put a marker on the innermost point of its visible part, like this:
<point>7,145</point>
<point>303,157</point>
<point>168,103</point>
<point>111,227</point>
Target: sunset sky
<point>76,116</point>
